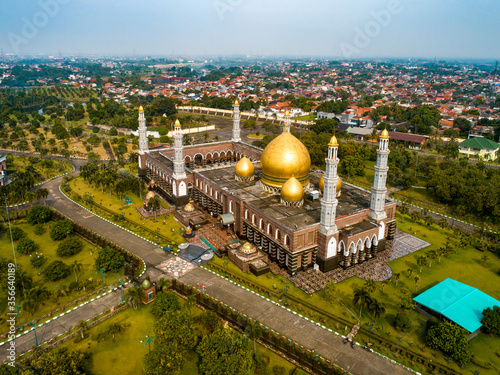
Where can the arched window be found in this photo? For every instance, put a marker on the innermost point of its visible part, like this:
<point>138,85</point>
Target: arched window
<point>231,207</point>
<point>277,235</point>
<point>287,240</point>
<point>332,248</point>
<point>342,248</point>
<point>381,230</point>
<point>268,228</point>
<point>246,214</point>
<point>261,223</point>
<point>254,219</point>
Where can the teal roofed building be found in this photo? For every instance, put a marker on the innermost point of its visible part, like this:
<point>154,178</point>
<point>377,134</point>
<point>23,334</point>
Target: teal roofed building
<point>460,303</point>
<point>485,148</point>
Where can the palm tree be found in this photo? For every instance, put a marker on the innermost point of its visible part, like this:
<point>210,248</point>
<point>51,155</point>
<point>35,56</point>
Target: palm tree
<point>154,204</point>
<point>383,283</point>
<point>416,279</point>
<point>396,277</point>
<point>190,302</point>
<point>376,308</point>
<point>421,261</point>
<point>76,267</point>
<point>443,222</point>
<point>30,197</point>
<point>431,254</point>
<point>254,332</point>
<point>82,326</point>
<point>134,296</point>
<point>42,193</point>
<point>361,297</point>
<point>409,271</point>
<point>370,286</point>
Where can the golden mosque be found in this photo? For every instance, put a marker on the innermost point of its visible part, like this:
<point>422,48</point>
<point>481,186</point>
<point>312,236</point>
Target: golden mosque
<point>272,200</point>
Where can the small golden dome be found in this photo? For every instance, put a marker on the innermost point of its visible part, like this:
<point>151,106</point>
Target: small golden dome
<point>284,157</point>
<point>385,134</point>
<point>244,168</point>
<point>236,102</point>
<point>322,184</point>
<point>141,109</point>
<point>177,123</point>
<point>150,195</point>
<point>333,142</point>
<point>247,248</point>
<point>189,207</point>
<point>292,190</point>
<point>287,113</point>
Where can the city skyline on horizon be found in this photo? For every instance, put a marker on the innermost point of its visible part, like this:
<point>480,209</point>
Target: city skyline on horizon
<point>392,29</point>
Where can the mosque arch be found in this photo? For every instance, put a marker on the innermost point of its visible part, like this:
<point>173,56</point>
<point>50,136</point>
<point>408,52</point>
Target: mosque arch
<point>359,245</point>
<point>342,249</point>
<point>182,189</point>
<point>352,248</point>
<point>381,230</point>
<point>287,240</point>
<point>261,224</point>
<point>332,248</point>
<point>374,240</point>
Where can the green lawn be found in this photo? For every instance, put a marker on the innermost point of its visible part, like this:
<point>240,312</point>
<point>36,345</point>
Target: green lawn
<point>21,162</point>
<point>310,117</point>
<point>170,228</point>
<point>48,248</point>
<point>124,354</point>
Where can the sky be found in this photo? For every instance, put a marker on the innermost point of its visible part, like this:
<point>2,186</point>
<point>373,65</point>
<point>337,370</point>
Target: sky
<point>446,29</point>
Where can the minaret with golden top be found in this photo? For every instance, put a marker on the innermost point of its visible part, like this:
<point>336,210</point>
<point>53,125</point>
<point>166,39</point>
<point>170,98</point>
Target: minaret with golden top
<point>236,122</point>
<point>379,189</point>
<point>329,201</point>
<point>179,171</point>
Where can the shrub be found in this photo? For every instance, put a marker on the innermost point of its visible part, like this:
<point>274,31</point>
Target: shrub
<point>39,229</point>
<point>278,370</point>
<point>491,320</point>
<point>61,230</point>
<point>56,270</point>
<point>39,215</point>
<point>480,363</point>
<point>73,285</point>
<point>210,320</point>
<point>26,246</point>
<point>402,322</point>
<point>69,246</point>
<point>17,233</point>
<point>109,259</point>
<point>38,261</point>
<point>165,301</point>
<point>450,339</point>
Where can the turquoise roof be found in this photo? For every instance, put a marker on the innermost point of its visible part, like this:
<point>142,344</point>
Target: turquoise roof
<point>458,302</point>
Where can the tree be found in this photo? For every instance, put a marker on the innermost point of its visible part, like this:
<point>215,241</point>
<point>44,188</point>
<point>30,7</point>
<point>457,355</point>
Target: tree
<point>154,204</point>
<point>491,320</point>
<point>39,215</point>
<point>61,229</point>
<point>362,298</point>
<point>165,359</point>
<point>396,277</point>
<point>370,286</point>
<point>402,322</point>
<point>450,339</point>
<point>17,233</point>
<point>443,222</point>
<point>109,260</point>
<point>76,267</point>
<point>254,331</point>
<point>134,296</point>
<point>190,302</point>
<point>225,352</point>
<point>328,292</point>
<point>69,247</point>
<point>431,255</point>
<point>383,283</point>
<point>164,302</point>
<point>178,327</point>
<point>421,261</point>
<point>210,321</point>
<point>56,270</point>
<point>26,246</point>
<point>416,279</point>
<point>463,124</point>
<point>60,361</point>
<point>82,326</point>
<point>376,308</point>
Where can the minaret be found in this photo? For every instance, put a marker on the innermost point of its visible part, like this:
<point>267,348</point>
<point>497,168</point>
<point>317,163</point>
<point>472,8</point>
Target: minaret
<point>329,201</point>
<point>236,122</point>
<point>143,135</point>
<point>143,142</point>
<point>377,203</point>
<point>179,171</point>
<point>286,123</point>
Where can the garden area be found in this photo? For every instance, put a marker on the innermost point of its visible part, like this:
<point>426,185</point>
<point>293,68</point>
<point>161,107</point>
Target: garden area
<point>388,304</point>
<point>55,266</point>
<point>104,192</point>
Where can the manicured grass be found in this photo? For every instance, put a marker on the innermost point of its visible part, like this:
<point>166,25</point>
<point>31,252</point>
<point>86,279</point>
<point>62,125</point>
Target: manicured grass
<point>124,354</point>
<point>171,228</point>
<point>48,247</point>
<point>310,117</point>
<point>21,162</point>
<point>255,136</point>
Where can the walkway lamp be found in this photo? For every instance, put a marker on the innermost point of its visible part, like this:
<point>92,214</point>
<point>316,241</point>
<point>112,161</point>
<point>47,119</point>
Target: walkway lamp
<point>286,293</point>
<point>148,340</point>
<point>370,333</point>
<point>18,308</point>
<point>34,329</point>
<point>102,277</point>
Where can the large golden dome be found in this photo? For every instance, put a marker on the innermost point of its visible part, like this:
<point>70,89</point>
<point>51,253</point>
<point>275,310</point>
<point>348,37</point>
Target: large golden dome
<point>244,168</point>
<point>284,157</point>
<point>292,190</point>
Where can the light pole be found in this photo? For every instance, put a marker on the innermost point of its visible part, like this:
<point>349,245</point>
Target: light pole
<point>158,235</point>
<point>10,228</point>
<point>370,335</point>
<point>18,308</point>
<point>34,329</point>
<point>286,290</point>
<point>37,261</point>
<point>102,277</point>
<point>123,220</point>
<point>226,263</point>
<point>121,289</point>
<point>148,340</point>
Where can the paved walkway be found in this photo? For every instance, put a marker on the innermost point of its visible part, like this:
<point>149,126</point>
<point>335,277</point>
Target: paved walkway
<point>307,334</point>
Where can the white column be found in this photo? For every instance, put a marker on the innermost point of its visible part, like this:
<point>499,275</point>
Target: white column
<point>179,171</point>
<point>379,189</point>
<point>329,201</point>
<point>236,122</point>
<point>143,135</point>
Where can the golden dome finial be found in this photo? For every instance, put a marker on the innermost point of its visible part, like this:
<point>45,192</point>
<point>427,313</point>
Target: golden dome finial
<point>244,168</point>
<point>333,142</point>
<point>236,102</point>
<point>322,184</point>
<point>141,109</point>
<point>287,113</point>
<point>292,190</point>
<point>384,134</point>
<point>339,185</point>
<point>177,123</point>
